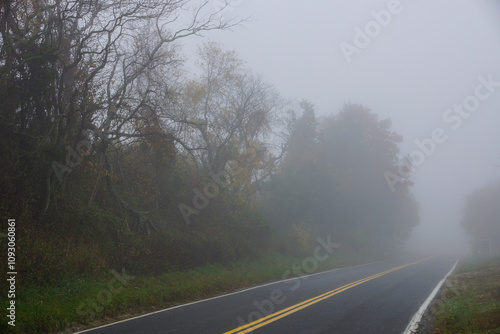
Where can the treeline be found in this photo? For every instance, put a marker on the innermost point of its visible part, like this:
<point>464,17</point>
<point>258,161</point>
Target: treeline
<point>481,220</point>
<point>331,182</point>
<point>113,154</point>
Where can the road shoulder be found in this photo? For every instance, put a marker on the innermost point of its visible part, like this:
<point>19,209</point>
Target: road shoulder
<point>468,302</point>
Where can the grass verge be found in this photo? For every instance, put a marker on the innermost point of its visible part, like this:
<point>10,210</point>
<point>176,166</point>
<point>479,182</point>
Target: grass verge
<point>88,302</point>
<point>470,301</point>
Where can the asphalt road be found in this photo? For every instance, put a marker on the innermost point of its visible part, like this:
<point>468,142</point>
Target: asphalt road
<point>380,297</point>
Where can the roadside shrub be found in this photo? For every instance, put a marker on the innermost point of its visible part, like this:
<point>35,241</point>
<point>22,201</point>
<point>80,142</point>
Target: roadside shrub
<point>48,259</point>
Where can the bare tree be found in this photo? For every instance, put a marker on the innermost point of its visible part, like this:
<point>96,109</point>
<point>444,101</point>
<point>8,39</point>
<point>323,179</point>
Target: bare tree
<point>78,65</point>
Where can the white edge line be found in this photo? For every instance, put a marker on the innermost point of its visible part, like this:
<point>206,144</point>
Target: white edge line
<point>413,325</point>
<point>224,295</point>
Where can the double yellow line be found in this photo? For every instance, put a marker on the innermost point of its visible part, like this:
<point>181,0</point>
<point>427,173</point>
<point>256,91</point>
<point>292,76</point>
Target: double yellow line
<point>297,307</point>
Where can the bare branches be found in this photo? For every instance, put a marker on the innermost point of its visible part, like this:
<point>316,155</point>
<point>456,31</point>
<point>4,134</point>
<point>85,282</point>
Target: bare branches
<point>232,113</point>
<point>101,65</point>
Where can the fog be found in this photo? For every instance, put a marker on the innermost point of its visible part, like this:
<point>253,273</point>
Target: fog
<point>418,64</point>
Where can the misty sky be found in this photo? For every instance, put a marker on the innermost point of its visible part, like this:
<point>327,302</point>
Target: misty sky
<point>425,58</point>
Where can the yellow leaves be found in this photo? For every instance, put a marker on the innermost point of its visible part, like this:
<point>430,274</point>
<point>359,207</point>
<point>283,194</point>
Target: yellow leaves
<point>224,63</point>
<point>97,168</point>
<point>195,92</point>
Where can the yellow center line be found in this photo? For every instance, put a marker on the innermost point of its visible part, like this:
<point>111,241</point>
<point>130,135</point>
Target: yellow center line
<point>294,308</point>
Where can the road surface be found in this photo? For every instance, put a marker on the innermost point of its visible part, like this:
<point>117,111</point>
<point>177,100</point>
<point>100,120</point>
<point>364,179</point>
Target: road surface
<point>379,297</point>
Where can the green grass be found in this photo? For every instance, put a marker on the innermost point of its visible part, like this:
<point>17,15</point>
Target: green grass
<point>476,264</point>
<point>464,313</point>
<point>86,301</point>
<point>472,305</point>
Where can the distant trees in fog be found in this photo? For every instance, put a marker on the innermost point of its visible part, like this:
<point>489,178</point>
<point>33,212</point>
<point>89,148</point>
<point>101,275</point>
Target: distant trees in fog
<point>481,219</point>
<point>331,181</point>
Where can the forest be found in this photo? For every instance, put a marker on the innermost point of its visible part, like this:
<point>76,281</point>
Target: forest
<point>115,154</point>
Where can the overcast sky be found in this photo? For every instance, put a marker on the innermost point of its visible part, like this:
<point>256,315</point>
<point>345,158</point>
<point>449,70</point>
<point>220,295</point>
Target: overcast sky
<point>411,66</point>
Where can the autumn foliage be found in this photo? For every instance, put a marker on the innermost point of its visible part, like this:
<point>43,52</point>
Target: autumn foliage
<point>107,142</point>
